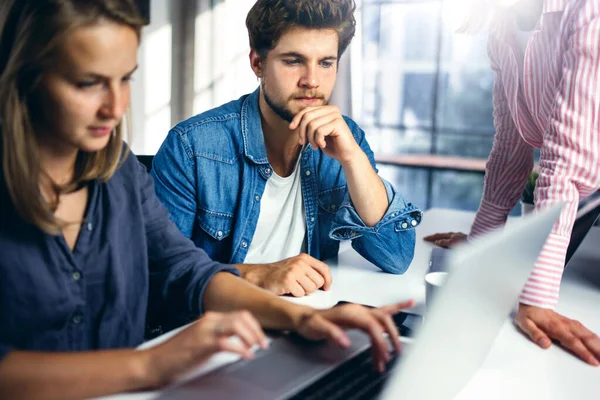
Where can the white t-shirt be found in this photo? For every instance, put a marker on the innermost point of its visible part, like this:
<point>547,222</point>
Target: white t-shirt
<point>281,225</point>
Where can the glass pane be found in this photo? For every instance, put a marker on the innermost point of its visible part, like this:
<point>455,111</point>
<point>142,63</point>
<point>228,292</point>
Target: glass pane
<point>465,85</point>
<point>411,183</point>
<point>221,66</point>
<point>157,62</point>
<point>464,144</point>
<point>387,141</point>
<point>399,62</point>
<point>458,190</point>
<point>156,129</point>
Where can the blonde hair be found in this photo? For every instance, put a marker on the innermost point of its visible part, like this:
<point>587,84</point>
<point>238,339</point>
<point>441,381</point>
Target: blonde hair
<point>30,32</point>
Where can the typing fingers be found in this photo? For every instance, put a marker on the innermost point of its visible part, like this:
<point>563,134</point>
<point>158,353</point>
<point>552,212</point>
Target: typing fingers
<point>243,325</point>
<point>394,308</point>
<point>379,347</point>
<point>234,346</point>
<point>390,328</point>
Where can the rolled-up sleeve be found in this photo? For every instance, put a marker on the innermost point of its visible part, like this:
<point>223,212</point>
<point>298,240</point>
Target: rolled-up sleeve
<point>179,271</point>
<point>509,164</point>
<point>390,243</point>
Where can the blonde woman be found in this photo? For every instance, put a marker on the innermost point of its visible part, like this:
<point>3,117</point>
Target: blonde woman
<point>545,55</point>
<point>87,249</point>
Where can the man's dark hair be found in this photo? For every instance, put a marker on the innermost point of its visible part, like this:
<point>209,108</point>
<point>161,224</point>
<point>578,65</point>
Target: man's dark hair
<point>268,20</point>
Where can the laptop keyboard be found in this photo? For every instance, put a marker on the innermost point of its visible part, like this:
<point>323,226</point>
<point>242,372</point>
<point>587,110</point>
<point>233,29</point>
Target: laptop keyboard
<point>354,379</point>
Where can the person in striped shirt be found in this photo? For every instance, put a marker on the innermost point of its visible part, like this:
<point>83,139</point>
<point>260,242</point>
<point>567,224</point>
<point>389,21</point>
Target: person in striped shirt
<point>545,55</point>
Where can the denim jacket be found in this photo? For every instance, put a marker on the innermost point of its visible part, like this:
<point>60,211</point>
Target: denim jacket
<point>211,173</point>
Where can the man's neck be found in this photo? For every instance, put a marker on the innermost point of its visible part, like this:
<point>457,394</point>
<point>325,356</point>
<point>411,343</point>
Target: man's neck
<point>281,144</point>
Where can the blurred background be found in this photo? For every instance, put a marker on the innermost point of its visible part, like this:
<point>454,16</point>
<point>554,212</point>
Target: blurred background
<point>421,91</point>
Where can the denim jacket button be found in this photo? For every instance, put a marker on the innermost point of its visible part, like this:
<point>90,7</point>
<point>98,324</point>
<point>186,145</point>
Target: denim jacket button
<point>268,171</point>
<point>413,222</point>
<point>220,233</point>
<point>257,198</point>
<point>312,219</point>
<point>307,172</point>
<point>404,225</point>
<point>244,244</point>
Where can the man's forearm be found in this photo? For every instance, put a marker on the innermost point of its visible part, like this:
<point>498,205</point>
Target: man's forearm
<point>38,375</point>
<point>366,189</point>
<point>246,272</point>
<point>271,311</point>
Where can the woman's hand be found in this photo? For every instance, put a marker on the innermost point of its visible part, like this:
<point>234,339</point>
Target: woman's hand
<point>195,344</point>
<point>446,240</point>
<point>330,324</point>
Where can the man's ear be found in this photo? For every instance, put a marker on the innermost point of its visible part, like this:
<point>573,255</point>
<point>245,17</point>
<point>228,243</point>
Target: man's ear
<point>256,63</point>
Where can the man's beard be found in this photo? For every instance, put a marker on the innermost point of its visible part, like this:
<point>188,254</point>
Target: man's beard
<point>282,111</point>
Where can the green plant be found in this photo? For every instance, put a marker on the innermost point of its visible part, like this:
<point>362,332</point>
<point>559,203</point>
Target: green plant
<point>527,196</point>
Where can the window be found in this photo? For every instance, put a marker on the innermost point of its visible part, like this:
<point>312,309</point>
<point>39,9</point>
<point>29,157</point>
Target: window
<point>413,83</point>
<point>422,88</point>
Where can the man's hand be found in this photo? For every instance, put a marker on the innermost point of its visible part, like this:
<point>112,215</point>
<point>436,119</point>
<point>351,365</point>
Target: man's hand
<point>330,324</point>
<point>543,325</point>
<point>448,239</point>
<point>325,128</point>
<point>298,276</point>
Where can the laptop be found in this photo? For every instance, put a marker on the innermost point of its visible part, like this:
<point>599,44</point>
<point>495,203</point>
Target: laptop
<point>486,279</point>
<point>588,212</point>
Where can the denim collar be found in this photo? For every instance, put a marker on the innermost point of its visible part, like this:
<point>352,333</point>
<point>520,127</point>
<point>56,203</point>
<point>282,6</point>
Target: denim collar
<point>252,133</point>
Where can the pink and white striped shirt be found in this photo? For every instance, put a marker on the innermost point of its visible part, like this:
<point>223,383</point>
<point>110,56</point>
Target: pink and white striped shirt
<point>556,108</point>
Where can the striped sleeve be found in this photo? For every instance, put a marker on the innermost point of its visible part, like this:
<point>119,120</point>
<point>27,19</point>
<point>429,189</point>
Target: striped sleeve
<point>570,157</point>
<point>509,163</point>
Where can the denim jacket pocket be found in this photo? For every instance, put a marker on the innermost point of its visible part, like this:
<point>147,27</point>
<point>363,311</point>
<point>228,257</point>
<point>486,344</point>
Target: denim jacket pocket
<point>216,224</point>
<point>331,200</point>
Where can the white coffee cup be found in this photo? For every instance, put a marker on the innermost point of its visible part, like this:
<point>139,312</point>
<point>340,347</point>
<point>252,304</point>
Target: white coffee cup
<point>433,281</point>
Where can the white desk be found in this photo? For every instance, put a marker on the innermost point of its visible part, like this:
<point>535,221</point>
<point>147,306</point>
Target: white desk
<point>515,368</point>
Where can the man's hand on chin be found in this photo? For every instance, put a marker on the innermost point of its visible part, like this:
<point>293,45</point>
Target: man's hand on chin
<point>324,127</point>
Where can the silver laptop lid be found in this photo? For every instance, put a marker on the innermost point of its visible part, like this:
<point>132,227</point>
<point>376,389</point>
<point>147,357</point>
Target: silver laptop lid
<point>468,311</point>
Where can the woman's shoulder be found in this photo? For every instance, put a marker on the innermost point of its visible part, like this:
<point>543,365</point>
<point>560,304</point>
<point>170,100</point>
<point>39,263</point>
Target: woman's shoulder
<point>130,169</point>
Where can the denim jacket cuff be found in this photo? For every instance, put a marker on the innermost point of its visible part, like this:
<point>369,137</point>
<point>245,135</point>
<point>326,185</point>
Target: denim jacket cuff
<point>348,224</point>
